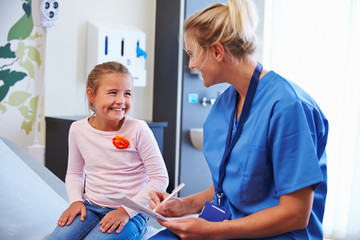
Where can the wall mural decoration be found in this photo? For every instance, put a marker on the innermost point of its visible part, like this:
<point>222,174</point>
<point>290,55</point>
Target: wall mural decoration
<point>20,59</point>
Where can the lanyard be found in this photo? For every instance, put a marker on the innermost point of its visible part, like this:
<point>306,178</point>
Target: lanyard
<point>230,142</point>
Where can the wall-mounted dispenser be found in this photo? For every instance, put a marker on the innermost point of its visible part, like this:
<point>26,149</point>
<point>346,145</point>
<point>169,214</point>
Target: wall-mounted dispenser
<point>124,44</point>
<point>45,13</point>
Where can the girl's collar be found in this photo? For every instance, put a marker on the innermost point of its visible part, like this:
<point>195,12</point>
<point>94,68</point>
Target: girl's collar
<point>92,123</point>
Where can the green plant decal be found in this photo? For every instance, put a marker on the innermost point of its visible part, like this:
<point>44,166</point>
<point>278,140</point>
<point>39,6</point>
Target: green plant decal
<point>26,57</point>
<point>18,98</point>
<point>9,79</point>
<point>3,108</point>
<point>29,113</point>
<point>5,52</point>
<point>22,28</point>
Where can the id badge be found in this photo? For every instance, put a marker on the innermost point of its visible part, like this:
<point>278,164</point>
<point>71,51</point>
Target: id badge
<point>214,213</point>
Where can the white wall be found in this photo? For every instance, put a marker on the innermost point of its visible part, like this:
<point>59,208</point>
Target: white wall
<point>321,53</point>
<point>66,53</point>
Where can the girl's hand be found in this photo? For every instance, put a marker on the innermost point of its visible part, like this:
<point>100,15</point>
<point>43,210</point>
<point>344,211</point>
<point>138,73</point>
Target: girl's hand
<point>114,219</point>
<point>174,207</point>
<point>69,214</point>
<point>190,228</point>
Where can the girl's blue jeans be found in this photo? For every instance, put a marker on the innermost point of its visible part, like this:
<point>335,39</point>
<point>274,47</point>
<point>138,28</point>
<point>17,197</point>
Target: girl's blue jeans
<point>90,227</point>
<point>164,235</point>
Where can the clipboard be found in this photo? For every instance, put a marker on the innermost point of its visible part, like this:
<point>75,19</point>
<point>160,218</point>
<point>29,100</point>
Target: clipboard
<point>128,202</point>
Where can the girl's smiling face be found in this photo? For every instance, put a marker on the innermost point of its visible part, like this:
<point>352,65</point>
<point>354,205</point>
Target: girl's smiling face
<point>112,100</point>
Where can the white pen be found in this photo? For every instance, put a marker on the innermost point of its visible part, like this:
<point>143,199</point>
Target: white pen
<point>173,193</point>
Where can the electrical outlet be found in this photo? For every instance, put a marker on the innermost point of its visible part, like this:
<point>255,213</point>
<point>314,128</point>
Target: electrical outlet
<point>45,12</point>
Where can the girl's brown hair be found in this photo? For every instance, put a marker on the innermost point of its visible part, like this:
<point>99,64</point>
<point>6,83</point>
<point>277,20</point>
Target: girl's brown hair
<point>93,80</point>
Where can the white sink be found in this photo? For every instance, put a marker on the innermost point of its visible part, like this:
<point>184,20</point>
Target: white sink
<point>196,138</point>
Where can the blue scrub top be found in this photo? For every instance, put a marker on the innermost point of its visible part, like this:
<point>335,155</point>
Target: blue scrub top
<point>281,150</point>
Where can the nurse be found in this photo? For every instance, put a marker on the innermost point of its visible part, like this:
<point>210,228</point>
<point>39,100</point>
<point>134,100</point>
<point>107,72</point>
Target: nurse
<point>264,141</point>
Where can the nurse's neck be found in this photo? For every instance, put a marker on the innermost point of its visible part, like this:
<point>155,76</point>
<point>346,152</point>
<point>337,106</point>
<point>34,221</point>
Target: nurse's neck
<point>240,73</point>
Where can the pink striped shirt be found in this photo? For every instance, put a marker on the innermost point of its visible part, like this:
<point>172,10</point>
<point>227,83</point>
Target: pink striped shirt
<point>98,168</point>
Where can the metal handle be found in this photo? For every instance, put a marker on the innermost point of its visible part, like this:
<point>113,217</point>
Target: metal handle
<point>205,101</point>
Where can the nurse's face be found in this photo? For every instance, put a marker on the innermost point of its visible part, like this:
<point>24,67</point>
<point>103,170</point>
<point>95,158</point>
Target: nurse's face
<point>202,60</point>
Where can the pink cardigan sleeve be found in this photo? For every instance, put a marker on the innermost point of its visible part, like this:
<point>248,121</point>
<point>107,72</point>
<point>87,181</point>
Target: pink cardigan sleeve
<point>74,179</point>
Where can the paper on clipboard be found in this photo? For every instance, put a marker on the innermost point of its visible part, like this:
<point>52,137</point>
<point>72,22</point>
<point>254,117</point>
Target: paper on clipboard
<point>128,202</point>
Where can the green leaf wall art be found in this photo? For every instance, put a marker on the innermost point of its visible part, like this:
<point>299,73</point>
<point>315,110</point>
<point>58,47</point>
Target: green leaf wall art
<point>22,28</point>
<point>5,52</point>
<point>9,78</point>
<point>19,60</point>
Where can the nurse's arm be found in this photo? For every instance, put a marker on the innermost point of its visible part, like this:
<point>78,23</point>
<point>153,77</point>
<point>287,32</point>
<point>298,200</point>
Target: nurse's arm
<point>196,202</point>
<point>292,213</point>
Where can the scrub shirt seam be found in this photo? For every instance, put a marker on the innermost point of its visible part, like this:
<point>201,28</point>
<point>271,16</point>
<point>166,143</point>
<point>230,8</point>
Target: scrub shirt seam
<point>301,185</point>
<point>292,88</point>
<point>297,96</point>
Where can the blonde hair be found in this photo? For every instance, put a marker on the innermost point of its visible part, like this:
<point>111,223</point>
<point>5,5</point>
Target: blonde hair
<point>232,24</point>
<point>93,81</point>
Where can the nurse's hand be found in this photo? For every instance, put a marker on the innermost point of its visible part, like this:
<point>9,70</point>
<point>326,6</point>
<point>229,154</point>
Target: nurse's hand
<point>192,228</point>
<point>174,207</point>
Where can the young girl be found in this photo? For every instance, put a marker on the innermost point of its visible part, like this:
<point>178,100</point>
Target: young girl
<point>109,153</point>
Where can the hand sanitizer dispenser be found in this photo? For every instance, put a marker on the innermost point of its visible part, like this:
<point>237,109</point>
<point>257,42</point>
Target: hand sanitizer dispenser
<point>124,44</point>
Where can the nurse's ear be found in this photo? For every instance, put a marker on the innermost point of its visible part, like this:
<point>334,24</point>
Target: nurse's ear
<point>217,51</point>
